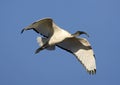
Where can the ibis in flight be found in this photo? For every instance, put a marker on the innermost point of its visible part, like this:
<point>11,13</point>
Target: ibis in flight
<point>54,36</point>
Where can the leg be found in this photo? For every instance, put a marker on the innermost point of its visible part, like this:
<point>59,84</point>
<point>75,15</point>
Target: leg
<point>38,50</point>
<point>41,48</point>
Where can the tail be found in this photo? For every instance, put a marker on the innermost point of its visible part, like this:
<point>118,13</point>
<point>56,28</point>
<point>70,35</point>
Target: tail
<point>42,41</point>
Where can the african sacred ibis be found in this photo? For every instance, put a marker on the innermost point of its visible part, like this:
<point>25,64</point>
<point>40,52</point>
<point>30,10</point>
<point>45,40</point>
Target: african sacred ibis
<point>55,36</point>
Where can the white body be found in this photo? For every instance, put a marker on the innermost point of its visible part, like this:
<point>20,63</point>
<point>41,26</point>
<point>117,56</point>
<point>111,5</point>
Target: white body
<point>55,36</point>
<point>59,35</point>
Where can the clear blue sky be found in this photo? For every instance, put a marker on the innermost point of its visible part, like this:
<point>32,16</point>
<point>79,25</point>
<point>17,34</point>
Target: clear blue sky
<point>20,66</point>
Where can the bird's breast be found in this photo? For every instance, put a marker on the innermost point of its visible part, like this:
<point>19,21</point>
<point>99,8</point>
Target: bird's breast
<point>59,36</point>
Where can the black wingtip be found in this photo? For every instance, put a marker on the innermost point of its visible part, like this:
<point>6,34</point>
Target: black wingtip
<point>92,72</point>
<point>22,31</point>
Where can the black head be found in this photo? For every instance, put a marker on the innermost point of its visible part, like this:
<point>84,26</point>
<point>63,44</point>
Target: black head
<point>82,32</point>
<point>78,33</point>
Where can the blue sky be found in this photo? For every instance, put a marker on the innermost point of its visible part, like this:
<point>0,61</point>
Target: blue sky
<point>20,66</point>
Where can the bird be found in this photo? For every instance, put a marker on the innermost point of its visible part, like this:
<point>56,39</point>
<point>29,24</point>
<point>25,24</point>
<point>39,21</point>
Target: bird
<point>53,36</point>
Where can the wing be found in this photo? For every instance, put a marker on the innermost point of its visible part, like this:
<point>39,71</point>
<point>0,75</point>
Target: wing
<point>43,26</point>
<point>81,48</point>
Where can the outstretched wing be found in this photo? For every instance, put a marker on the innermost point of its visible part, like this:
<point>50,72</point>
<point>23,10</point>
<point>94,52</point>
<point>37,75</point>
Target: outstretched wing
<point>43,26</point>
<point>81,48</point>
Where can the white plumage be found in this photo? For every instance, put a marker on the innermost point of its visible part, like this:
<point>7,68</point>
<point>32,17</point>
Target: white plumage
<point>55,36</point>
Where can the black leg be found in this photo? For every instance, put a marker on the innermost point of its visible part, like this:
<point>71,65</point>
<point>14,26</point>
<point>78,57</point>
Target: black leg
<point>38,50</point>
<point>41,48</point>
